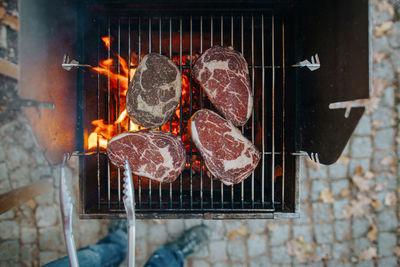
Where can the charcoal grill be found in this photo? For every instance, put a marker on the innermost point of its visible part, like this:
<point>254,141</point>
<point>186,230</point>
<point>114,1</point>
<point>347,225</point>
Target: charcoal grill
<point>297,111</point>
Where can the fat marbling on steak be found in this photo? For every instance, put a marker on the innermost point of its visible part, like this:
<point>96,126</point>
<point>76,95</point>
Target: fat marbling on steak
<point>157,155</point>
<point>224,74</point>
<point>154,92</point>
<point>228,155</point>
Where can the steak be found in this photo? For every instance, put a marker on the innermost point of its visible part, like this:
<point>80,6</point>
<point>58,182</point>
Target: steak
<point>228,155</point>
<point>157,155</point>
<point>224,74</point>
<point>154,92</point>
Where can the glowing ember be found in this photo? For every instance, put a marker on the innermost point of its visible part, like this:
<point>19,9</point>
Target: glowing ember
<point>104,132</point>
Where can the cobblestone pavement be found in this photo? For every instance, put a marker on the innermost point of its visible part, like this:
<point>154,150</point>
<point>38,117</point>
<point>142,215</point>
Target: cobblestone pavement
<point>349,210</point>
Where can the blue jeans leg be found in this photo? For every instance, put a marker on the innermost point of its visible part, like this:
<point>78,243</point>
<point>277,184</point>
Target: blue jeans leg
<point>166,257</point>
<point>110,251</point>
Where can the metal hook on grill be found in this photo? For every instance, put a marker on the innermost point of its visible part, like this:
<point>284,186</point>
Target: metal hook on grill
<point>68,64</point>
<point>313,65</point>
<point>314,157</point>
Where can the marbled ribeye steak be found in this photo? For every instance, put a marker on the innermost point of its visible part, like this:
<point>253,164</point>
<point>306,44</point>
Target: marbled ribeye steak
<point>224,74</point>
<point>154,92</point>
<point>157,155</point>
<point>228,155</point>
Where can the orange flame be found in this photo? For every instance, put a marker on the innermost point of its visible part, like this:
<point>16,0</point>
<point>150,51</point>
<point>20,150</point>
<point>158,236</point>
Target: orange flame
<point>107,41</point>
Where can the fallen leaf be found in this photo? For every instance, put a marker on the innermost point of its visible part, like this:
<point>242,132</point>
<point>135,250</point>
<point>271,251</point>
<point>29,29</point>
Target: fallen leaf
<point>396,251</point>
<point>383,28</point>
<point>356,206</point>
<point>387,160</point>
<point>383,6</point>
<point>344,159</point>
<point>271,226</point>
<point>362,183</point>
<point>368,254</point>
<point>300,249</point>
<point>378,56</point>
<point>326,196</point>
<point>376,204</point>
<point>390,199</point>
<point>242,230</point>
<point>312,164</point>
<point>373,233</point>
<point>345,192</point>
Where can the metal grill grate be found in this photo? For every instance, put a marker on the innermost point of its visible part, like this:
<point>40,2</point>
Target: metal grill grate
<point>261,38</point>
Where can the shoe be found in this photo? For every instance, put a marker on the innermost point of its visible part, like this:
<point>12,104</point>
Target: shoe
<point>192,240</point>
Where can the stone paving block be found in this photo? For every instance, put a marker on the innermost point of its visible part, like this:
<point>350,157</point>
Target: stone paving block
<point>257,245</point>
<point>175,228</point>
<point>317,187</point>
<point>9,250</point>
<point>360,227</point>
<point>338,185</point>
<point>141,250</point>
<point>234,225</point>
<point>304,218</point>
<point>10,214</point>
<point>28,235</point>
<point>320,173</point>
<point>46,198</point>
<point>141,228</point>
<point>46,215</point>
<point>221,264</point>
<point>385,117</point>
<point>2,154</point>
<point>262,261</point>
<point>388,261</point>
<point>342,230</point>
<point>380,43</point>
<point>279,255</point>
<point>9,230</point>
<point>47,256</point>
<point>394,39</point>
<point>218,229</point>
<point>338,207</point>
<point>279,235</point>
<point>384,139</point>
<point>323,252</point>
<point>217,251</point>
<point>17,157</point>
<point>388,96</point>
<point>20,177</point>
<point>354,163</point>
<point>200,263</point>
<point>385,243</point>
<point>369,263</point>
<point>3,171</point>
<point>323,233</point>
<point>303,231</point>
<point>322,212</point>
<point>5,186</point>
<point>158,234</point>
<point>383,70</point>
<point>236,250</point>
<point>203,253</point>
<point>256,226</point>
<point>337,263</point>
<point>27,254</point>
<point>361,147</point>
<point>361,244</point>
<point>387,220</point>
<point>390,181</point>
<point>338,170</point>
<point>50,238</point>
<point>341,251</point>
<point>379,16</point>
<point>377,159</point>
<point>43,171</point>
<point>363,126</point>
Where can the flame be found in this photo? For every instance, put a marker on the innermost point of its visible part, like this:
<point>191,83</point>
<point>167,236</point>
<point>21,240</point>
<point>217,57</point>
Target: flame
<point>109,68</point>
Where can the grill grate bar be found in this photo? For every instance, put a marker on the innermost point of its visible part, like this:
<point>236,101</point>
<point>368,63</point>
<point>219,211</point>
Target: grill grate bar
<point>211,176</point>
<point>232,186</point>
<point>201,106</point>
<point>160,51</point>
<point>273,110</point>
<point>108,112</point>
<point>252,115</point>
<point>97,117</point>
<point>222,43</point>
<point>283,114</point>
<point>191,111</point>
<point>118,104</point>
<point>242,50</point>
<point>262,112</point>
<point>149,180</point>
<point>139,59</point>
<point>170,122</point>
<point>181,109</point>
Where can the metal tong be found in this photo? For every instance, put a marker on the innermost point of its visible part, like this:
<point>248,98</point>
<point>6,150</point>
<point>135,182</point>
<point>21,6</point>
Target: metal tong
<point>129,203</point>
<point>66,212</point>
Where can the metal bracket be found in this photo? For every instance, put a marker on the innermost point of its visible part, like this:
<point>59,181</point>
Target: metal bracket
<point>313,65</point>
<point>69,64</point>
<point>348,105</point>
